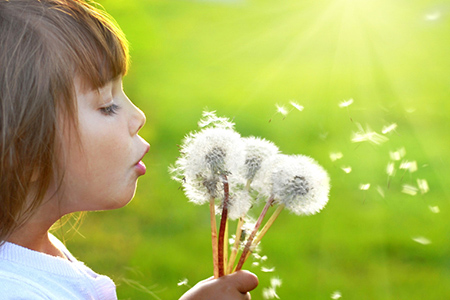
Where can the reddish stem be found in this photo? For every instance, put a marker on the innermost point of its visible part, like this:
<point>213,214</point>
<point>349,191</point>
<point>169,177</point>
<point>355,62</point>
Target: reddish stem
<point>223,224</point>
<point>246,250</point>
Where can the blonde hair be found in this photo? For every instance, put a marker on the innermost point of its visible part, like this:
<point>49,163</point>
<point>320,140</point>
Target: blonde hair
<point>44,44</point>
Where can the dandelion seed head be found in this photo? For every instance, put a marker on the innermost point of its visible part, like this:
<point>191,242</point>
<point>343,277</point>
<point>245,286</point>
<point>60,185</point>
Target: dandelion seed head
<point>257,150</point>
<point>421,240</point>
<point>275,282</point>
<point>368,136</point>
<point>409,189</point>
<point>297,106</point>
<point>240,203</point>
<point>346,103</point>
<point>336,295</point>
<point>423,185</point>
<point>389,128</point>
<point>434,209</point>
<point>206,157</point>
<point>297,181</point>
<point>336,155</point>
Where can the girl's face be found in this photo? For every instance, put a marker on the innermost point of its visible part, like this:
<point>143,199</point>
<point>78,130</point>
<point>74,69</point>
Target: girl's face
<point>103,156</point>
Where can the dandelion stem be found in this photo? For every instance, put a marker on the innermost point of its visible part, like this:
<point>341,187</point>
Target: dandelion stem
<point>247,250</point>
<point>214,236</point>
<point>223,224</point>
<point>235,248</point>
<point>269,223</point>
<point>225,250</point>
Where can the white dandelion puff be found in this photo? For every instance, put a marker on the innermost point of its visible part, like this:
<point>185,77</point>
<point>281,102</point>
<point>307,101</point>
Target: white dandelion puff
<point>397,155</point>
<point>423,185</point>
<point>297,106</point>
<point>336,295</point>
<point>240,202</point>
<point>346,169</point>
<point>409,189</point>
<point>368,136</point>
<point>296,181</point>
<point>346,103</point>
<point>389,128</point>
<point>421,240</point>
<point>434,209</point>
<point>364,186</point>
<point>336,155</point>
<point>206,158</point>
<point>411,166</point>
<point>256,151</point>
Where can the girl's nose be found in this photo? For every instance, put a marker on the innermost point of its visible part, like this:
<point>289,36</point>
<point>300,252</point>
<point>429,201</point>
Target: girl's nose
<point>137,120</point>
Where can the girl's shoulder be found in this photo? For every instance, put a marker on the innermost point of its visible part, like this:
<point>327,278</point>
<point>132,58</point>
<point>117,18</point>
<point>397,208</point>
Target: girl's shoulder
<point>47,277</point>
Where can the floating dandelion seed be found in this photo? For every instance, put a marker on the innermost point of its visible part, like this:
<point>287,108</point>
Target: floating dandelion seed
<point>389,128</point>
<point>380,191</point>
<point>268,270</point>
<point>368,136</point>
<point>336,155</point>
<point>346,169</point>
<point>397,155</point>
<point>421,240</point>
<point>423,186</point>
<point>282,110</point>
<point>182,282</point>
<point>336,295</point>
<point>364,186</point>
<point>409,189</point>
<point>390,169</point>
<point>270,292</point>
<point>411,166</point>
<point>297,106</point>
<point>434,209</point>
<point>346,103</point>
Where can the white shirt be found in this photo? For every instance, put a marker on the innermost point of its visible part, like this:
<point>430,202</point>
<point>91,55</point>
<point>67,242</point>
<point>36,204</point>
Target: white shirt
<point>26,274</point>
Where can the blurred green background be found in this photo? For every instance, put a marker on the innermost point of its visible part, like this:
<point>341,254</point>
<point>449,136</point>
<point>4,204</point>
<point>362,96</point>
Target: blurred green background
<point>242,58</point>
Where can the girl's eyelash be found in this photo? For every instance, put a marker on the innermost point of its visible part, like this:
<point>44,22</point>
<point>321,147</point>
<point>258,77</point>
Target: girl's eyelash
<point>110,109</point>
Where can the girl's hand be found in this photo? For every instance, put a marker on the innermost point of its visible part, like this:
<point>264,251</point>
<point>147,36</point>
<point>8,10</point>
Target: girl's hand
<point>235,286</point>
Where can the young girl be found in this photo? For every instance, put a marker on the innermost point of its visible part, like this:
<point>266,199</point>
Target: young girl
<point>69,143</point>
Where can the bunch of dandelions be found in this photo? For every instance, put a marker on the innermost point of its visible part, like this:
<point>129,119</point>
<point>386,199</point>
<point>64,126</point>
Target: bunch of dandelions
<point>231,173</point>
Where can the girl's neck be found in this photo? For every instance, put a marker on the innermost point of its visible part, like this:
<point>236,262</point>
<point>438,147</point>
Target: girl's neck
<point>34,234</point>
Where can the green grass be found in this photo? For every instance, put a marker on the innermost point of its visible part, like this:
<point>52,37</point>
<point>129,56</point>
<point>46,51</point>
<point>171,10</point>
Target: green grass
<point>241,58</point>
